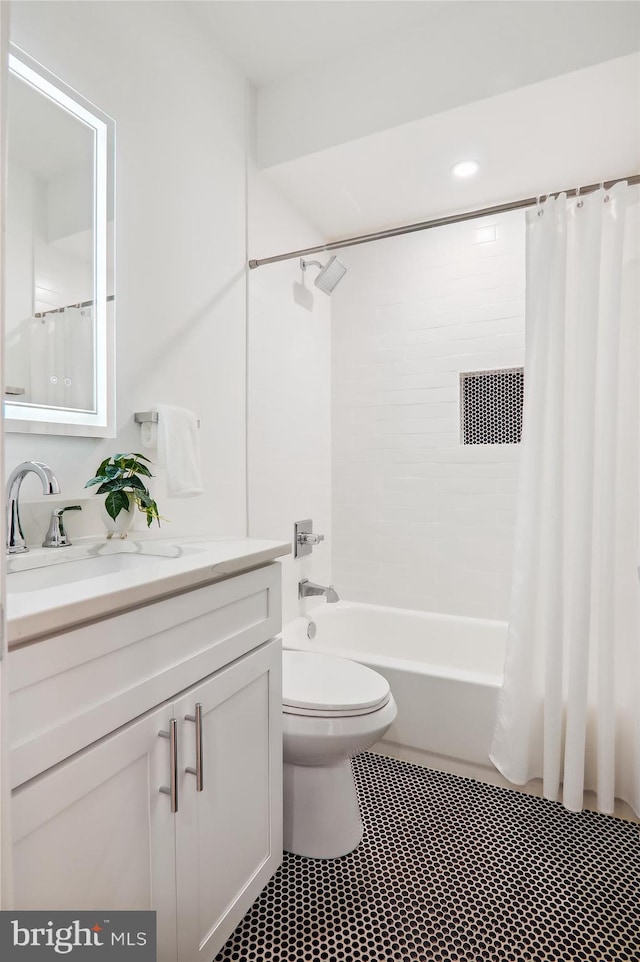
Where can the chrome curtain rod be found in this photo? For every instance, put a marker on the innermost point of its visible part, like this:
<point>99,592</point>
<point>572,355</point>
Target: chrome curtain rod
<point>60,310</point>
<point>439,222</point>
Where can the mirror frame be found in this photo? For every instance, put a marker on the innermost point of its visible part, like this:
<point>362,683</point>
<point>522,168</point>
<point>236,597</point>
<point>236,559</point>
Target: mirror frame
<point>39,419</point>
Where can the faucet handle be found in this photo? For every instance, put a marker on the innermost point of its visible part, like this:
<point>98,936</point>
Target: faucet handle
<point>58,512</point>
<point>56,536</point>
<point>305,537</point>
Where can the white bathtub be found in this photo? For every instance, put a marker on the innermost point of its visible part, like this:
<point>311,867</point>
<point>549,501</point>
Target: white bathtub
<point>445,673</point>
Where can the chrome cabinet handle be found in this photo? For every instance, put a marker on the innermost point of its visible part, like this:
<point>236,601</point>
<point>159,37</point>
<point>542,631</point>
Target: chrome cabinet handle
<point>197,771</point>
<point>172,789</point>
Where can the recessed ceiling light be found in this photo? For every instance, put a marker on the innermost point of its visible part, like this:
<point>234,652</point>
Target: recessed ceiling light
<point>466,168</point>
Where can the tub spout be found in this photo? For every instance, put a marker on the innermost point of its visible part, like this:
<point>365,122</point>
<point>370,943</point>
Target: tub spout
<point>307,588</point>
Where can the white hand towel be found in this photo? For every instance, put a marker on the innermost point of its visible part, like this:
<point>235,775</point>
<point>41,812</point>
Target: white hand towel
<point>179,450</point>
<point>149,434</point>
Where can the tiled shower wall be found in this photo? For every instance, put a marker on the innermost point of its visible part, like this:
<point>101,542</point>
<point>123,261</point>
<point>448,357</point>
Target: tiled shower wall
<point>420,520</point>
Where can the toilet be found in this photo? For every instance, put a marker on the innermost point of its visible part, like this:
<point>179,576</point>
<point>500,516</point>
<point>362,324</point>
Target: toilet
<point>333,709</point>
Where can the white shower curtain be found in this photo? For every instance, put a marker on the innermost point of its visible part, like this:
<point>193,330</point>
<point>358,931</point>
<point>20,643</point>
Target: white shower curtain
<point>61,365</point>
<point>569,709</point>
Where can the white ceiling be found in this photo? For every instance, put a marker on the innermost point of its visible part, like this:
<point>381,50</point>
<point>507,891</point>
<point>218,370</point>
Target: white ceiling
<point>572,130</point>
<point>273,39</point>
<point>364,105</point>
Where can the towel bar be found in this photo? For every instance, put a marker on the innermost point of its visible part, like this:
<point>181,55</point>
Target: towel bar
<point>142,417</point>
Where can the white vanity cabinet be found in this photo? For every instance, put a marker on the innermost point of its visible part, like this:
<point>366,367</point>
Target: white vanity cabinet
<point>229,834</point>
<point>94,830</point>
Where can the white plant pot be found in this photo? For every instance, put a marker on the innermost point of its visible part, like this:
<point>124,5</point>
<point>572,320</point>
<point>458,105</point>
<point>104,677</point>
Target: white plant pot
<point>120,527</point>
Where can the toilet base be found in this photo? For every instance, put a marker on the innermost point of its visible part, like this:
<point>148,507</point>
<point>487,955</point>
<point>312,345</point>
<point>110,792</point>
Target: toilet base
<point>321,813</point>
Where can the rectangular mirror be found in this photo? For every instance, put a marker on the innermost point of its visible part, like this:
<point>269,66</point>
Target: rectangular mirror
<point>59,290</point>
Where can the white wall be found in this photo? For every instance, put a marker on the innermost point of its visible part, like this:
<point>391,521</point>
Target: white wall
<point>289,392</point>
<point>180,219</point>
<point>419,520</point>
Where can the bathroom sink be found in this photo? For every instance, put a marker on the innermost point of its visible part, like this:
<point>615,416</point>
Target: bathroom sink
<point>52,590</point>
<point>60,573</point>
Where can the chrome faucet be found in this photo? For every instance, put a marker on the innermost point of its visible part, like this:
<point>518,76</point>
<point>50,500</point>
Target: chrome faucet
<point>307,588</point>
<point>16,542</point>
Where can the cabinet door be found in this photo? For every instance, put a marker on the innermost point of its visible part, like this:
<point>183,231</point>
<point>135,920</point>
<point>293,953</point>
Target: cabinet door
<point>229,835</point>
<point>95,832</point>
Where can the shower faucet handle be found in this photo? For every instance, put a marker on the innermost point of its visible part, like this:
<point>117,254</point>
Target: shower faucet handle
<point>306,537</point>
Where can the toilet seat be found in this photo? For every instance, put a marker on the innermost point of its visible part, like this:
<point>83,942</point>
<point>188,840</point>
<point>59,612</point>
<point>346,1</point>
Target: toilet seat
<point>326,686</point>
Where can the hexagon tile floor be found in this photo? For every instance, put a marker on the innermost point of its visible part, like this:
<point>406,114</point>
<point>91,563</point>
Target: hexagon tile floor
<point>452,870</point>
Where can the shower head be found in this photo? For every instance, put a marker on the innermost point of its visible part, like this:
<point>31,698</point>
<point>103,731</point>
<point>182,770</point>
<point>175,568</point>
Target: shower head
<point>330,275</point>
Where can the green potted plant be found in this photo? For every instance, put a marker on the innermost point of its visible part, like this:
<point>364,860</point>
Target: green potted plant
<point>120,478</point>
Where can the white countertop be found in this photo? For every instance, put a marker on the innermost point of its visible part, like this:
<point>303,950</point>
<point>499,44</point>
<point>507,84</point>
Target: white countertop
<point>166,567</point>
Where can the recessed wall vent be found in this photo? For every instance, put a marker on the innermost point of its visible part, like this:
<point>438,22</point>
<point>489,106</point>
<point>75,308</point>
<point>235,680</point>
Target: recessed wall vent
<point>491,406</point>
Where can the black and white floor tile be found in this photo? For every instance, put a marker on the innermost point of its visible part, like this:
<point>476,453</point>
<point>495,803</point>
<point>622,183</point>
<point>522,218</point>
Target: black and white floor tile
<point>452,870</point>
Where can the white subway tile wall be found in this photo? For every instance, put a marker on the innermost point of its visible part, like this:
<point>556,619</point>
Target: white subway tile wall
<point>420,520</point>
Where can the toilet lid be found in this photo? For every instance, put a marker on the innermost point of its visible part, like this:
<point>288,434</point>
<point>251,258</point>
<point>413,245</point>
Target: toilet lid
<point>314,683</point>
